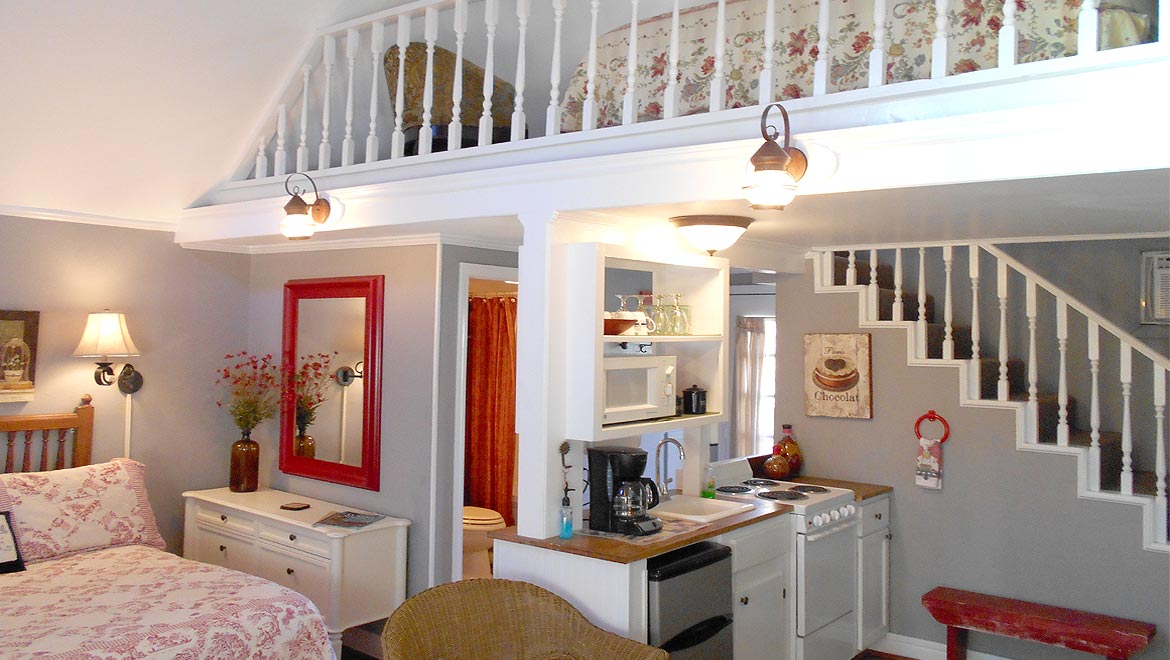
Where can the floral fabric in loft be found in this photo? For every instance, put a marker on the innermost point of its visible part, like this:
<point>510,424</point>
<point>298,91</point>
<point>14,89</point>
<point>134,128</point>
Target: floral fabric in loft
<point>1047,29</point>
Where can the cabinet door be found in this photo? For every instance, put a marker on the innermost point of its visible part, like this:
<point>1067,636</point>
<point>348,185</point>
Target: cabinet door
<point>216,547</point>
<point>873,589</point>
<point>761,620</point>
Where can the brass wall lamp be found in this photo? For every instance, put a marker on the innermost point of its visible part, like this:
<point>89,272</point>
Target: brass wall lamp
<point>774,171</point>
<point>301,218</point>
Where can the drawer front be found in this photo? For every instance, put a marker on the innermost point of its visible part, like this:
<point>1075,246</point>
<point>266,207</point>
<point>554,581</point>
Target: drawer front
<point>214,516</point>
<point>304,574</point>
<point>755,544</point>
<point>213,546</point>
<point>297,538</point>
<point>875,516</point>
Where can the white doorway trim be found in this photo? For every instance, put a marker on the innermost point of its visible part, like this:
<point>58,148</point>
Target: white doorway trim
<point>467,272</point>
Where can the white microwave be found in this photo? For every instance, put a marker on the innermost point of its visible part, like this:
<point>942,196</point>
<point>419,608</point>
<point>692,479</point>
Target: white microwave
<point>638,388</point>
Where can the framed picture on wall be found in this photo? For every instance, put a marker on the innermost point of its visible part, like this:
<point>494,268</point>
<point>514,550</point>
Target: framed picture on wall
<point>18,354</point>
<point>837,375</point>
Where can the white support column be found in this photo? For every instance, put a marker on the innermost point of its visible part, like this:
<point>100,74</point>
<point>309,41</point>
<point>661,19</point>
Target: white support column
<point>767,75</point>
<point>1126,377</point>
<point>303,147</point>
<point>821,67</point>
<point>851,270</point>
<point>975,383</point>
<point>920,328</point>
<point>280,156</point>
<point>491,19</point>
<point>589,107</point>
<point>948,346</point>
<point>1033,390</point>
<point>1008,36</point>
<point>717,92</point>
<point>398,140</point>
<point>351,50</point>
<point>1088,25</point>
<point>1163,20</point>
<point>629,102</point>
<point>1094,340</point>
<point>1002,386</point>
<point>670,96</point>
<point>938,50</point>
<point>1062,377</point>
<point>1160,453</point>
<point>455,128</point>
<point>552,119</point>
<point>872,288</point>
<point>878,56</point>
<point>377,37</point>
<point>261,159</point>
<point>430,35</point>
<point>897,314</point>
<point>328,61</point>
<point>519,121</point>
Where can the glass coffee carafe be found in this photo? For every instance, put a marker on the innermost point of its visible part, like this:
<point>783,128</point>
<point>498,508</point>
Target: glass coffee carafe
<point>629,501</point>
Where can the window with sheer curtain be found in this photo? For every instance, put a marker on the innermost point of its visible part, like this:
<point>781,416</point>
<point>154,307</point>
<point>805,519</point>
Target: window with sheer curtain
<point>755,385</point>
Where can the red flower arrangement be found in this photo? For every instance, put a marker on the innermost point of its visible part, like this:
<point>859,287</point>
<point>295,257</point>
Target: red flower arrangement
<point>312,378</point>
<point>253,386</point>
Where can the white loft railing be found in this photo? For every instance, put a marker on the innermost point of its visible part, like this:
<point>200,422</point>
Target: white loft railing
<point>1136,414</point>
<point>338,93</point>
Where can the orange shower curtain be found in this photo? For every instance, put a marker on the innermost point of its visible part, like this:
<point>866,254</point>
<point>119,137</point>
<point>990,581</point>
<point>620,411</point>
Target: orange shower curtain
<point>490,426</point>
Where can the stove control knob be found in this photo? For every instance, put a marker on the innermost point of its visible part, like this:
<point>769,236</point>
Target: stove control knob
<point>818,520</point>
<point>852,509</point>
<point>835,514</point>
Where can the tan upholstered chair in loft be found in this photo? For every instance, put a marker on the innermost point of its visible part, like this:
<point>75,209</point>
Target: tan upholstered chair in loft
<point>471,105</point>
<point>500,620</point>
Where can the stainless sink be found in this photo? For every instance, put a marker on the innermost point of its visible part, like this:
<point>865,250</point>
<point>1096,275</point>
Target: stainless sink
<point>698,509</point>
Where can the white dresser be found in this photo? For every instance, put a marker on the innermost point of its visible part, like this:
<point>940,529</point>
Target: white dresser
<point>354,576</point>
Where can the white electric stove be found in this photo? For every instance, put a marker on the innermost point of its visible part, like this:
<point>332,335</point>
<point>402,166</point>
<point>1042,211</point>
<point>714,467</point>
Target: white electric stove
<point>824,551</point>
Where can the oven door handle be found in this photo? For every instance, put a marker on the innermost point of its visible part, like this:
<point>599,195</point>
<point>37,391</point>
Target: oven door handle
<point>809,538</point>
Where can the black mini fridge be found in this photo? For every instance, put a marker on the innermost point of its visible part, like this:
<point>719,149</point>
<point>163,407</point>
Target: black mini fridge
<point>690,604</point>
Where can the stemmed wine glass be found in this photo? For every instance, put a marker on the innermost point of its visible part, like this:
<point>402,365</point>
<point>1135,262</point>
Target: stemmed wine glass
<point>660,317</point>
<point>679,323</point>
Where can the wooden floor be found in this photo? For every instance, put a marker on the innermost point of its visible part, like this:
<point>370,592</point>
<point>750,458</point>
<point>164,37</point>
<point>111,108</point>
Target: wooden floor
<point>878,655</point>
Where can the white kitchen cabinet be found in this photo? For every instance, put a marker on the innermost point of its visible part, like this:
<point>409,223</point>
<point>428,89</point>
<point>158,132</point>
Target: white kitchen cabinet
<point>701,357</point>
<point>873,571</point>
<point>353,576</point>
<point>760,584</point>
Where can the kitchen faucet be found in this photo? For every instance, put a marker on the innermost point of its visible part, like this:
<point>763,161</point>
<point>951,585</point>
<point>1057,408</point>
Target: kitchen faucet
<point>660,468</point>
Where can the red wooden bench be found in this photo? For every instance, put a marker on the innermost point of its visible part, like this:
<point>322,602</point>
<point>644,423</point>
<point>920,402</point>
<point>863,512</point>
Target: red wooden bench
<point>960,611</point>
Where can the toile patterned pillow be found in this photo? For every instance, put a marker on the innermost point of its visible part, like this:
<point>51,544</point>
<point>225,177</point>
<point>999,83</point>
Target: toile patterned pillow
<point>64,512</point>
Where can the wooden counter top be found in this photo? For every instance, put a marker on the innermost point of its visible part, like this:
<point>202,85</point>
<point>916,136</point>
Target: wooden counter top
<point>621,552</point>
<point>861,491</point>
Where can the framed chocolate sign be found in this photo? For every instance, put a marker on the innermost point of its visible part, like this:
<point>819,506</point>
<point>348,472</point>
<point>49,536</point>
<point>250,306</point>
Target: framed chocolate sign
<point>837,375</point>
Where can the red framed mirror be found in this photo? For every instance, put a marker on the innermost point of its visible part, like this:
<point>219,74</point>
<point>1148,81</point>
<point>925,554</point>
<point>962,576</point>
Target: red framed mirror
<point>331,389</point>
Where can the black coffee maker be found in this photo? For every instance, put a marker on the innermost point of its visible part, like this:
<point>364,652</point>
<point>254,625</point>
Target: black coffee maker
<point>618,493</point>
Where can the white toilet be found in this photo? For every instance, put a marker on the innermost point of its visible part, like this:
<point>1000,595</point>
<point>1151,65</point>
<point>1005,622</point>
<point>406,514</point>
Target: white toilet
<point>477,522</point>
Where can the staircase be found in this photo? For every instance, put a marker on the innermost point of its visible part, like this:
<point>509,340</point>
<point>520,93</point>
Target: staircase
<point>1063,405</point>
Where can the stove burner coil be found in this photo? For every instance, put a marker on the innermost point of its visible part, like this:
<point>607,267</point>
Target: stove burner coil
<point>733,489</point>
<point>760,482</point>
<point>785,495</point>
<point>809,489</point>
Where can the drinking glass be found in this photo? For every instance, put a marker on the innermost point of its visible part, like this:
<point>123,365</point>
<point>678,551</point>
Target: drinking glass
<point>679,323</point>
<point>660,317</point>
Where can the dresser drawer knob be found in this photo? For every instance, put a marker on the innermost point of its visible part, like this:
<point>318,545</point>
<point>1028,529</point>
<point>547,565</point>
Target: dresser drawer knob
<point>744,600</point>
<point>289,571</point>
<point>222,518</point>
<point>878,516</point>
<point>223,548</point>
<point>292,537</point>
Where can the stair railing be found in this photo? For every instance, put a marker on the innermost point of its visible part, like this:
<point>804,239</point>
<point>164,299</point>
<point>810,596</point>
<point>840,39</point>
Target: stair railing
<point>1007,268</point>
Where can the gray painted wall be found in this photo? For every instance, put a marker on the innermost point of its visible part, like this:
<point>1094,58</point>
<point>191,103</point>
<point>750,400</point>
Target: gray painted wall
<point>1006,522</point>
<point>185,310</point>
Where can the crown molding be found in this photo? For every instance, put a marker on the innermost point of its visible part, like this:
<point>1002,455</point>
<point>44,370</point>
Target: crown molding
<point>322,244</point>
<point>58,215</point>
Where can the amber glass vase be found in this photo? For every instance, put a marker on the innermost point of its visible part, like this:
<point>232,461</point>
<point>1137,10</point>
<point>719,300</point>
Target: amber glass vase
<point>245,474</point>
<point>304,445</point>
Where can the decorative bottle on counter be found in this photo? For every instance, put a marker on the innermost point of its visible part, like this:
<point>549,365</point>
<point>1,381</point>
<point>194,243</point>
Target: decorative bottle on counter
<point>708,490</point>
<point>566,518</point>
<point>791,451</point>
<point>776,467</point>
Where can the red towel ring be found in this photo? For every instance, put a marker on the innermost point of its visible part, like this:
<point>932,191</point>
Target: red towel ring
<point>932,416</point>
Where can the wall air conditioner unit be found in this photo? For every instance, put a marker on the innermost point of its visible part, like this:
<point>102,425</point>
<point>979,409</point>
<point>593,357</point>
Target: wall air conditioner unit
<point>1156,288</point>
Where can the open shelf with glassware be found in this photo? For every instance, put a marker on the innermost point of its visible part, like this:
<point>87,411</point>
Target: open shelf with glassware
<point>604,279</point>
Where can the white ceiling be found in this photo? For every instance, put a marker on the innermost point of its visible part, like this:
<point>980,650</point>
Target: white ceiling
<point>132,109</point>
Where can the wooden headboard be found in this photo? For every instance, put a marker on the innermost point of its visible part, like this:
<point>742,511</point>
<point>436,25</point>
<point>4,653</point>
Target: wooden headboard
<point>80,421</point>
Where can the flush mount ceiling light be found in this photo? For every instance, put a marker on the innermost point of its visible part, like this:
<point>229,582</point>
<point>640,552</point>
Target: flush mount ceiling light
<point>301,219</point>
<point>711,233</point>
<point>106,336</point>
<point>774,170</point>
